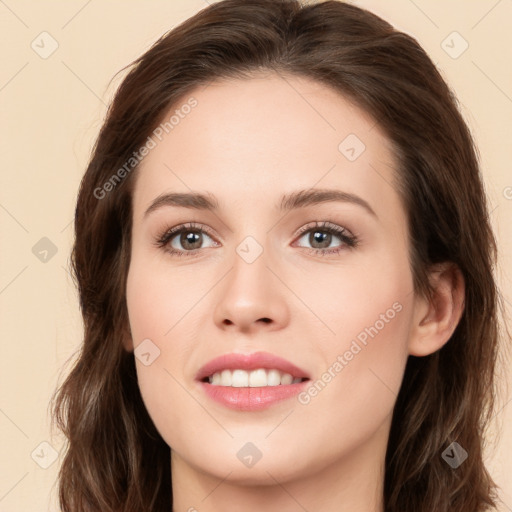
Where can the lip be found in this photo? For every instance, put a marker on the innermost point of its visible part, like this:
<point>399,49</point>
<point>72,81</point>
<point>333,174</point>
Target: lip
<point>251,398</point>
<point>248,362</point>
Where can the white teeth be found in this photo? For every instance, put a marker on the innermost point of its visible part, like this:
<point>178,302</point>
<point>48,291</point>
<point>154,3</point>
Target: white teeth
<point>286,379</point>
<point>239,379</point>
<point>253,379</point>
<point>225,378</point>
<point>273,378</point>
<point>257,378</point>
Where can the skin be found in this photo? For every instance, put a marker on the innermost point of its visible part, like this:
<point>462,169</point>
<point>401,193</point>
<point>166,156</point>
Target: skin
<point>248,142</point>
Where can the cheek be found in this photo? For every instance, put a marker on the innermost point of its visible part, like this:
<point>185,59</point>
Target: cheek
<point>368,309</point>
<point>146,305</point>
<point>368,292</point>
<point>158,298</point>
<point>154,308</point>
<point>356,392</point>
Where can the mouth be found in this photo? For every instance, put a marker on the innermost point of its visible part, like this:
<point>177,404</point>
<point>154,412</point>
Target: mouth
<point>251,382</point>
<point>259,369</point>
<point>261,377</point>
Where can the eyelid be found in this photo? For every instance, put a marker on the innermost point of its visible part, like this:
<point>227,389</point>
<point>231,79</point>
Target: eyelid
<point>325,224</point>
<point>348,239</point>
<point>167,234</point>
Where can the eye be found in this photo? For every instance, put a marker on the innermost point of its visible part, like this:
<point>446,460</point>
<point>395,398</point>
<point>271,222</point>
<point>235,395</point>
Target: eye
<point>184,239</point>
<point>321,235</point>
<point>188,239</point>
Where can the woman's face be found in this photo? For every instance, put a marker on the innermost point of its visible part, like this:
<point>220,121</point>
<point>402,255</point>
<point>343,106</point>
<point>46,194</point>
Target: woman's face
<point>259,274</point>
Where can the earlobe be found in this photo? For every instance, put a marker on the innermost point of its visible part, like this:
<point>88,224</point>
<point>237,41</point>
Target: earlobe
<point>128,344</point>
<point>435,320</point>
<point>127,340</point>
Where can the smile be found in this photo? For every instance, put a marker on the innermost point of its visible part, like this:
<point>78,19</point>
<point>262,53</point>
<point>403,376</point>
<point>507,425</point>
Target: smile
<point>260,377</point>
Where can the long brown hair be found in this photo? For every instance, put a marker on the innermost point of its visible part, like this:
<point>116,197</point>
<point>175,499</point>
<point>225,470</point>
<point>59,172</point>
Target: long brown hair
<point>116,460</point>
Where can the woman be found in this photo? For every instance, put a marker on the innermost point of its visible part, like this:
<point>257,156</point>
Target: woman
<point>248,370</point>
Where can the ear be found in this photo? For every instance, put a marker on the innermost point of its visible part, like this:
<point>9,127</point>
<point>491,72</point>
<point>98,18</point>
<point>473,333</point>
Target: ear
<point>127,339</point>
<point>435,320</point>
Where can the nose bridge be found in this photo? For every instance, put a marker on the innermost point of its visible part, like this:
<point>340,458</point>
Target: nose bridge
<point>252,247</point>
<point>249,280</point>
<point>250,291</point>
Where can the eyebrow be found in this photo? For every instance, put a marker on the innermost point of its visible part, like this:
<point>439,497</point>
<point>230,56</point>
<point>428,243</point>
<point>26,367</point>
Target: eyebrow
<point>292,201</point>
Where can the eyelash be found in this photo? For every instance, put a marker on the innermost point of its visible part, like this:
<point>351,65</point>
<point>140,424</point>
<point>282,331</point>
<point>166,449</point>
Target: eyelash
<point>348,239</point>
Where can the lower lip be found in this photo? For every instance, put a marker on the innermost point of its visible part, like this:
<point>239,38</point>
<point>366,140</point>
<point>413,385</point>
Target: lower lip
<point>251,399</point>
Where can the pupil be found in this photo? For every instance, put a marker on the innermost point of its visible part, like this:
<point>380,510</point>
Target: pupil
<point>322,238</point>
<point>191,238</point>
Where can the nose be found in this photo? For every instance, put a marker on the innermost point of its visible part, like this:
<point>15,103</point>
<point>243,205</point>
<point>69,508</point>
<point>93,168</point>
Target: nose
<point>251,297</point>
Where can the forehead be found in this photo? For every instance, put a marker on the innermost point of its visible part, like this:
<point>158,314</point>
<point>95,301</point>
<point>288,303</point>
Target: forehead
<point>264,134</point>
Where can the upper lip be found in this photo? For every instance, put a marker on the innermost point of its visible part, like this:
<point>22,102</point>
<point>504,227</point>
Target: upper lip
<point>248,362</point>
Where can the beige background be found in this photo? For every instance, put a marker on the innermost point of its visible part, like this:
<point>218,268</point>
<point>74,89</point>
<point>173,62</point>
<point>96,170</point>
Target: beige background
<point>51,110</point>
